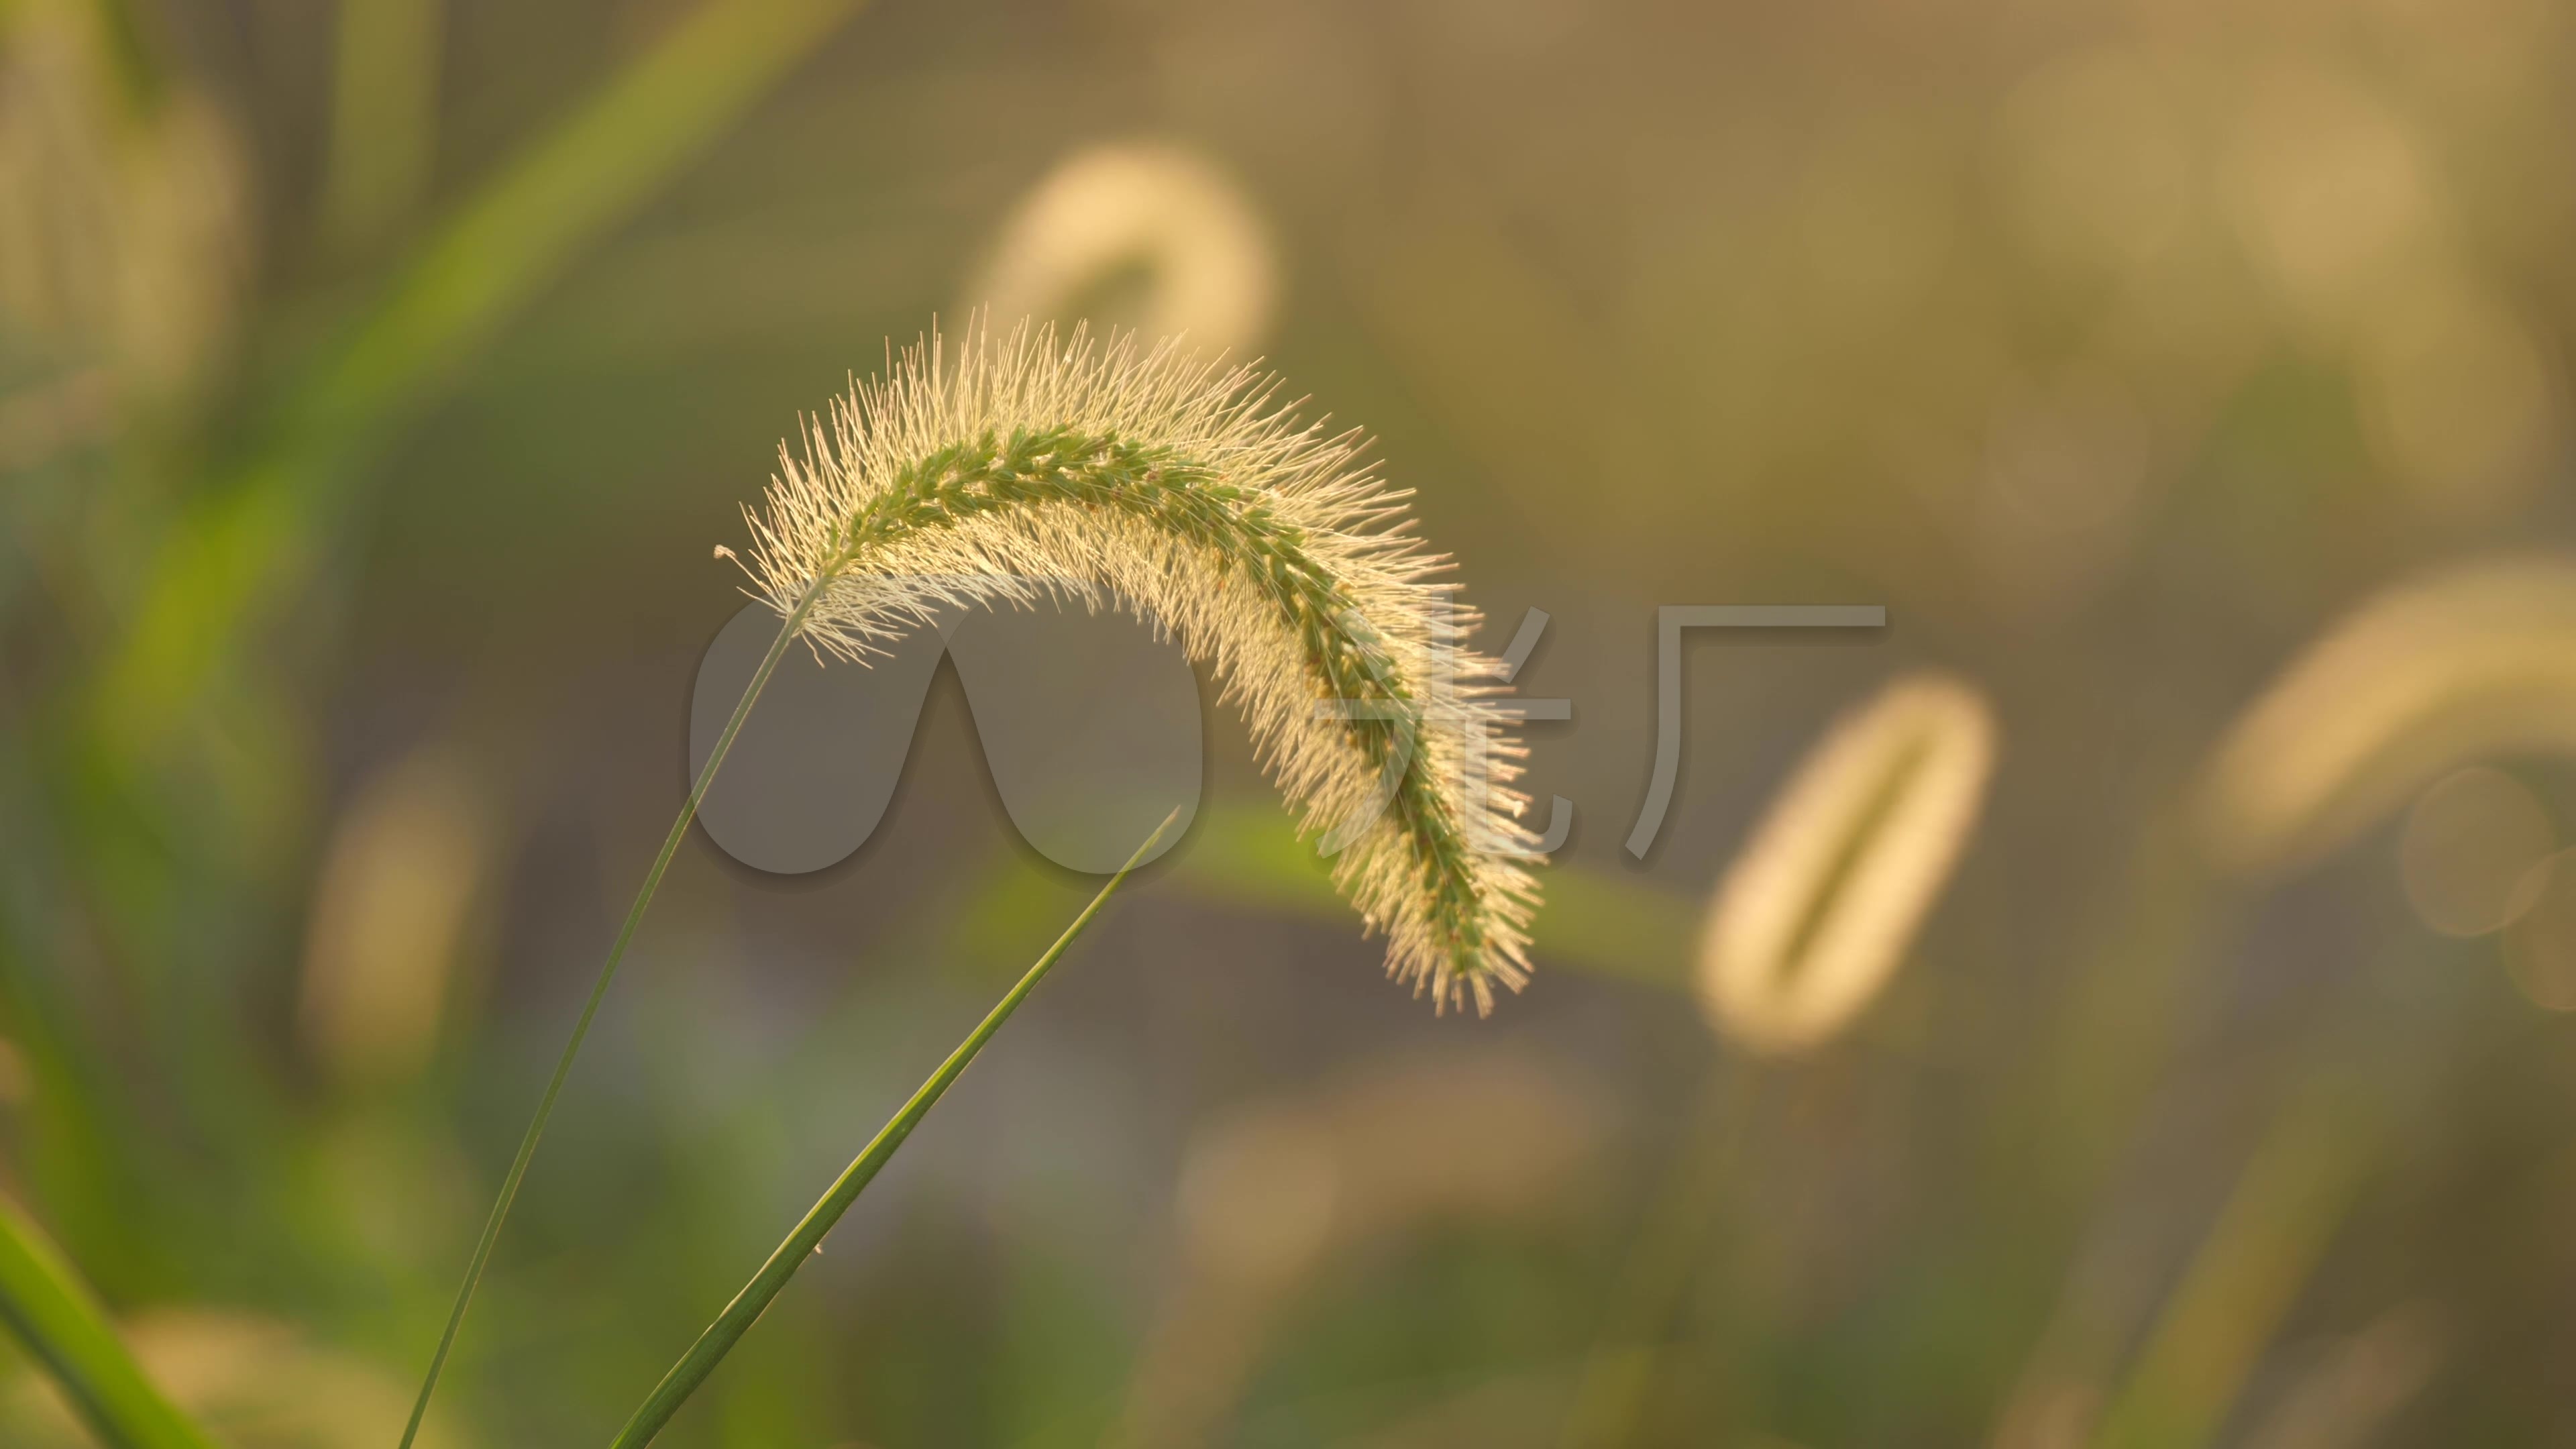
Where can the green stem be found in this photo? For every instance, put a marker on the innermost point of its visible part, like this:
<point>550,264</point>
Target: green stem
<point>2247,1273</point>
<point>1663,1261</point>
<point>590,1009</point>
<point>44,1302</point>
<point>765,1285</point>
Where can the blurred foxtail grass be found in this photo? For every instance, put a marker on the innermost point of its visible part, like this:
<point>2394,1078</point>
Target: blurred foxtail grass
<point>1814,917</point>
<point>2343,739</point>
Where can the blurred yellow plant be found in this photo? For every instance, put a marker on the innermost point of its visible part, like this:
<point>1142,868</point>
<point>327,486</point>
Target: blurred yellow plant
<point>1823,902</point>
<point>384,118</point>
<point>123,219</point>
<point>1273,1192</point>
<point>390,915</point>
<point>253,1382</point>
<point>2328,184</point>
<point>2468,662</point>
<point>1211,272</point>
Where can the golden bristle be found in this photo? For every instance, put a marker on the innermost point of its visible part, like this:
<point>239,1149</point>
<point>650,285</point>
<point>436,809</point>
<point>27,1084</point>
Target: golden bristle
<point>1003,469</point>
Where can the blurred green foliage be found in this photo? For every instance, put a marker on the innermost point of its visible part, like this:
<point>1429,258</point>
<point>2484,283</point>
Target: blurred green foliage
<point>2119,348</point>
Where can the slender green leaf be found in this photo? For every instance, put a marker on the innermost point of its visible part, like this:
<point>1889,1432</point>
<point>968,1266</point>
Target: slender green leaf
<point>44,1302</point>
<point>527,1153</point>
<point>765,1285</point>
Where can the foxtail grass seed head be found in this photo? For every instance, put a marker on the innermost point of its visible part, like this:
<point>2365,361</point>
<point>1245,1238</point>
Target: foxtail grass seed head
<point>2464,664</point>
<point>1210,270</point>
<point>991,470</point>
<point>1821,906</point>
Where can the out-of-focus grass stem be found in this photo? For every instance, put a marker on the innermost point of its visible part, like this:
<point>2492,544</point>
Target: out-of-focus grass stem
<point>253,534</point>
<point>2247,1273</point>
<point>590,1009</point>
<point>141,77</point>
<point>1619,1373</point>
<point>2156,941</point>
<point>384,119</point>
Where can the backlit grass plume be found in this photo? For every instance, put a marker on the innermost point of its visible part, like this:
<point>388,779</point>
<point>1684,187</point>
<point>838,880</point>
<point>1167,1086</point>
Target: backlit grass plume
<point>1109,211</point>
<point>1821,907</point>
<point>2465,663</point>
<point>1177,488</point>
<point>997,470</point>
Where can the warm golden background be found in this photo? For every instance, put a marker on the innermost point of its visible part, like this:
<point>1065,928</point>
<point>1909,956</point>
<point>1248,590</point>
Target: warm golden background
<point>376,376</point>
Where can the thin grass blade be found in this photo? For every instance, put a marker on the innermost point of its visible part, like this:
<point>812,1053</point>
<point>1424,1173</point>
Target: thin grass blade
<point>518,1173</point>
<point>756,1296</point>
<point>45,1303</point>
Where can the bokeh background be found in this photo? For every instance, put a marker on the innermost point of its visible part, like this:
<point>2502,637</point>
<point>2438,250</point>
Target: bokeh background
<point>376,377</point>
